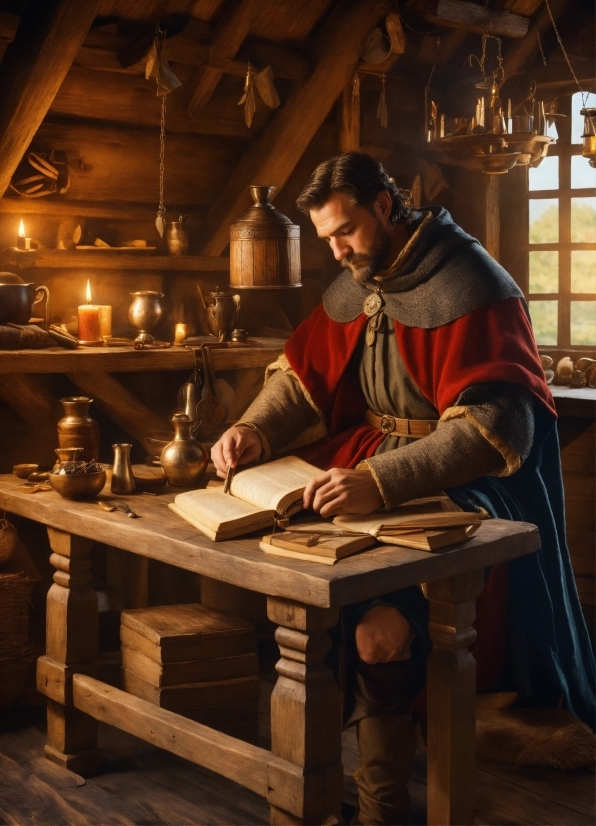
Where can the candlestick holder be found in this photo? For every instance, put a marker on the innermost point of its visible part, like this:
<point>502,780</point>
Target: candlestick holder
<point>146,313</point>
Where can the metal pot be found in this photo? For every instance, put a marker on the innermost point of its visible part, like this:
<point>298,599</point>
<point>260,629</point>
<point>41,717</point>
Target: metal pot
<point>18,299</point>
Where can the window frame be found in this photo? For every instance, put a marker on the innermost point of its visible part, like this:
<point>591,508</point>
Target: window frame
<point>564,150</point>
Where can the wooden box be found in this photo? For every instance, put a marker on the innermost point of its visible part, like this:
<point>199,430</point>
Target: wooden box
<point>195,671</point>
<point>185,633</point>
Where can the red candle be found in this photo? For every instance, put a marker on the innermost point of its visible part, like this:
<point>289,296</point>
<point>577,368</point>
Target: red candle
<point>88,319</point>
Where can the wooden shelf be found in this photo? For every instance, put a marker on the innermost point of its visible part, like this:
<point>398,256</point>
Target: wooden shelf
<point>575,401</point>
<point>128,360</point>
<point>115,260</point>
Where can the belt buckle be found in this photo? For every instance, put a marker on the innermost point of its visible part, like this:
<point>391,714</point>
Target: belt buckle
<point>387,424</point>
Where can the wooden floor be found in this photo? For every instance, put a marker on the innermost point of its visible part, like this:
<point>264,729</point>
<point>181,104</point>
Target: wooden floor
<point>138,784</point>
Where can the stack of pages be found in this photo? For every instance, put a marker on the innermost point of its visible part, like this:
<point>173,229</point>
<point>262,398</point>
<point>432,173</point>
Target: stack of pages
<point>425,524</point>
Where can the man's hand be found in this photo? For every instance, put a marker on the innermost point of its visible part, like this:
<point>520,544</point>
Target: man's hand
<point>383,636</point>
<point>237,446</point>
<point>343,491</point>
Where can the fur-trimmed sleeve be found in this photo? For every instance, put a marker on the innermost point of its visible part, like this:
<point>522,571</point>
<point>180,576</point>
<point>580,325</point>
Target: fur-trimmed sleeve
<point>282,411</point>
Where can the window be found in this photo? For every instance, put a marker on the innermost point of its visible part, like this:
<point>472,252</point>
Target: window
<point>562,237</point>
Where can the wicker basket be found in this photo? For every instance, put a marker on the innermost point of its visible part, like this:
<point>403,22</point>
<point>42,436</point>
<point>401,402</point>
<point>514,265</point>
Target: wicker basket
<point>15,593</point>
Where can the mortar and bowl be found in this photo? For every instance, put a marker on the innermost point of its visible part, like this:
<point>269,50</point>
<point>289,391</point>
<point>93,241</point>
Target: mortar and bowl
<point>78,485</point>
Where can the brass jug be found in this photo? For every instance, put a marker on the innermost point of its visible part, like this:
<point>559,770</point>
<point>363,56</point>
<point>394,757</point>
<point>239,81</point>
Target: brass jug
<point>184,460</point>
<point>122,479</point>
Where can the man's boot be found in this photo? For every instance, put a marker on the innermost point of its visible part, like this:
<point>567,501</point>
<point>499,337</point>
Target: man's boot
<point>386,744</point>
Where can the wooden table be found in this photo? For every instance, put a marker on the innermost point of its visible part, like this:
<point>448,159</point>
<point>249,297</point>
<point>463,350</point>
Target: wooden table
<point>301,777</point>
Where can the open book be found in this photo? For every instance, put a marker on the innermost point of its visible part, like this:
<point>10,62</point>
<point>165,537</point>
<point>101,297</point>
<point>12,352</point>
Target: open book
<point>256,496</point>
<point>427,524</point>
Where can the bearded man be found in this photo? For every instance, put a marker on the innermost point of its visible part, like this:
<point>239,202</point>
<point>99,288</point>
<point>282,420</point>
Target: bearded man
<point>421,366</point>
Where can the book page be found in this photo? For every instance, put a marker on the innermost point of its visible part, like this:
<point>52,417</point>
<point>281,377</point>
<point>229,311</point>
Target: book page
<point>268,485</point>
<point>215,507</point>
<point>420,512</point>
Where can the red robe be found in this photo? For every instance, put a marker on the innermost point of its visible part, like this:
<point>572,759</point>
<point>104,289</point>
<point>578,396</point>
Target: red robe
<point>491,344</point>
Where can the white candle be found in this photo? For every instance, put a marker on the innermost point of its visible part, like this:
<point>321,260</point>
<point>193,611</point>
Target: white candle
<point>23,243</point>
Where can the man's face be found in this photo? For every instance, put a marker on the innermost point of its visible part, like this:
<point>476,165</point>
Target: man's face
<point>359,238</point>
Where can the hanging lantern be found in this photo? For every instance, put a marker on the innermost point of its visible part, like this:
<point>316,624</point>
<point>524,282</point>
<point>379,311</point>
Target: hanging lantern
<point>589,135</point>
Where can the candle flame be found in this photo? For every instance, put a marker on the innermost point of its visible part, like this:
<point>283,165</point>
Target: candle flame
<point>88,292</point>
<point>21,229</point>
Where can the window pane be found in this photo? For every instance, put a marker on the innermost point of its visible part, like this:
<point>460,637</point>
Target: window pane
<point>582,174</point>
<point>577,120</point>
<point>583,220</point>
<point>544,220</point>
<point>583,322</point>
<point>545,320</point>
<point>544,272</point>
<point>583,271</point>
<point>546,176</point>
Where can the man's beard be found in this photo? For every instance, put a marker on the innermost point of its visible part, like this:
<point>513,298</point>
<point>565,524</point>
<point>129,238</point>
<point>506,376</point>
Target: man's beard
<point>364,266</point>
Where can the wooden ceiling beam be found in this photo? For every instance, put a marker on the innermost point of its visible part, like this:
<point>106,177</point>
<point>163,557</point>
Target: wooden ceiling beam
<point>190,47</point>
<point>460,14</point>
<point>227,39</point>
<point>449,44</point>
<point>274,155</point>
<point>525,7</point>
<point>33,68</point>
<point>521,55</point>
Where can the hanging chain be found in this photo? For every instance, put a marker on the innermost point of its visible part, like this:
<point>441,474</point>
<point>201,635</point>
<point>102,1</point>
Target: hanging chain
<point>428,82</point>
<point>499,72</point>
<point>541,49</point>
<point>160,221</point>
<point>552,20</point>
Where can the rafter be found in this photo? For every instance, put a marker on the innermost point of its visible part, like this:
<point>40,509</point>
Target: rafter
<point>227,39</point>
<point>33,68</point>
<point>521,55</point>
<point>460,14</point>
<point>274,155</point>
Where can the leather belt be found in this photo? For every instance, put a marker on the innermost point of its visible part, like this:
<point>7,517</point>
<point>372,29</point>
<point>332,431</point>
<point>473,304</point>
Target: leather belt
<point>411,428</point>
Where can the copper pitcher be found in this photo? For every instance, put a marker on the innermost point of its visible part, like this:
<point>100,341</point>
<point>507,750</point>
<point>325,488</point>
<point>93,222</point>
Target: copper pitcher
<point>221,314</point>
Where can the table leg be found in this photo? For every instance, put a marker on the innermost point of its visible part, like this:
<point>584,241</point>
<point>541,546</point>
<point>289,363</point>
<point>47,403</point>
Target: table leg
<point>451,675</point>
<point>71,645</point>
<point>305,710</point>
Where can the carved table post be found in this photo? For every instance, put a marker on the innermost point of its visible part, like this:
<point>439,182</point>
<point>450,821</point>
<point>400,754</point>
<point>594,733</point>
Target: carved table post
<point>451,675</point>
<point>71,646</point>
<point>305,710</point>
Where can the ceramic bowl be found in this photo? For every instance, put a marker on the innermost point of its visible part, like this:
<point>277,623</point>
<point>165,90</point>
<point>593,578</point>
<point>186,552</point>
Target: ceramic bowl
<point>155,441</point>
<point>23,470</point>
<point>78,485</point>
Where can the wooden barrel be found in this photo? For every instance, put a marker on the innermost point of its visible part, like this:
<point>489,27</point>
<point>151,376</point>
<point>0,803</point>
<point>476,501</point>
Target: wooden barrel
<point>264,246</point>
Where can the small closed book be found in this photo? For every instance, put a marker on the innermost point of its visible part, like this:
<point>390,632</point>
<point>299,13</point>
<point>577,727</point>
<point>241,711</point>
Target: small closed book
<point>317,542</point>
<point>257,495</point>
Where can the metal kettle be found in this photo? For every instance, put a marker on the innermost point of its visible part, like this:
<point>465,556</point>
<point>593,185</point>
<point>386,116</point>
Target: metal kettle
<point>220,316</point>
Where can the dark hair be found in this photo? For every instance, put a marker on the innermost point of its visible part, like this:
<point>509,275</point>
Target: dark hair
<point>361,178</point>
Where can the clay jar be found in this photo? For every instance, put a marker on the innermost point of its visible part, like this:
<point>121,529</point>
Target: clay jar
<point>78,429</point>
<point>184,460</point>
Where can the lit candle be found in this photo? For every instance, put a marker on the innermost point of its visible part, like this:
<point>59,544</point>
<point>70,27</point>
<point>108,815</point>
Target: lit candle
<point>88,319</point>
<point>105,320</point>
<point>182,332</point>
<point>23,243</point>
